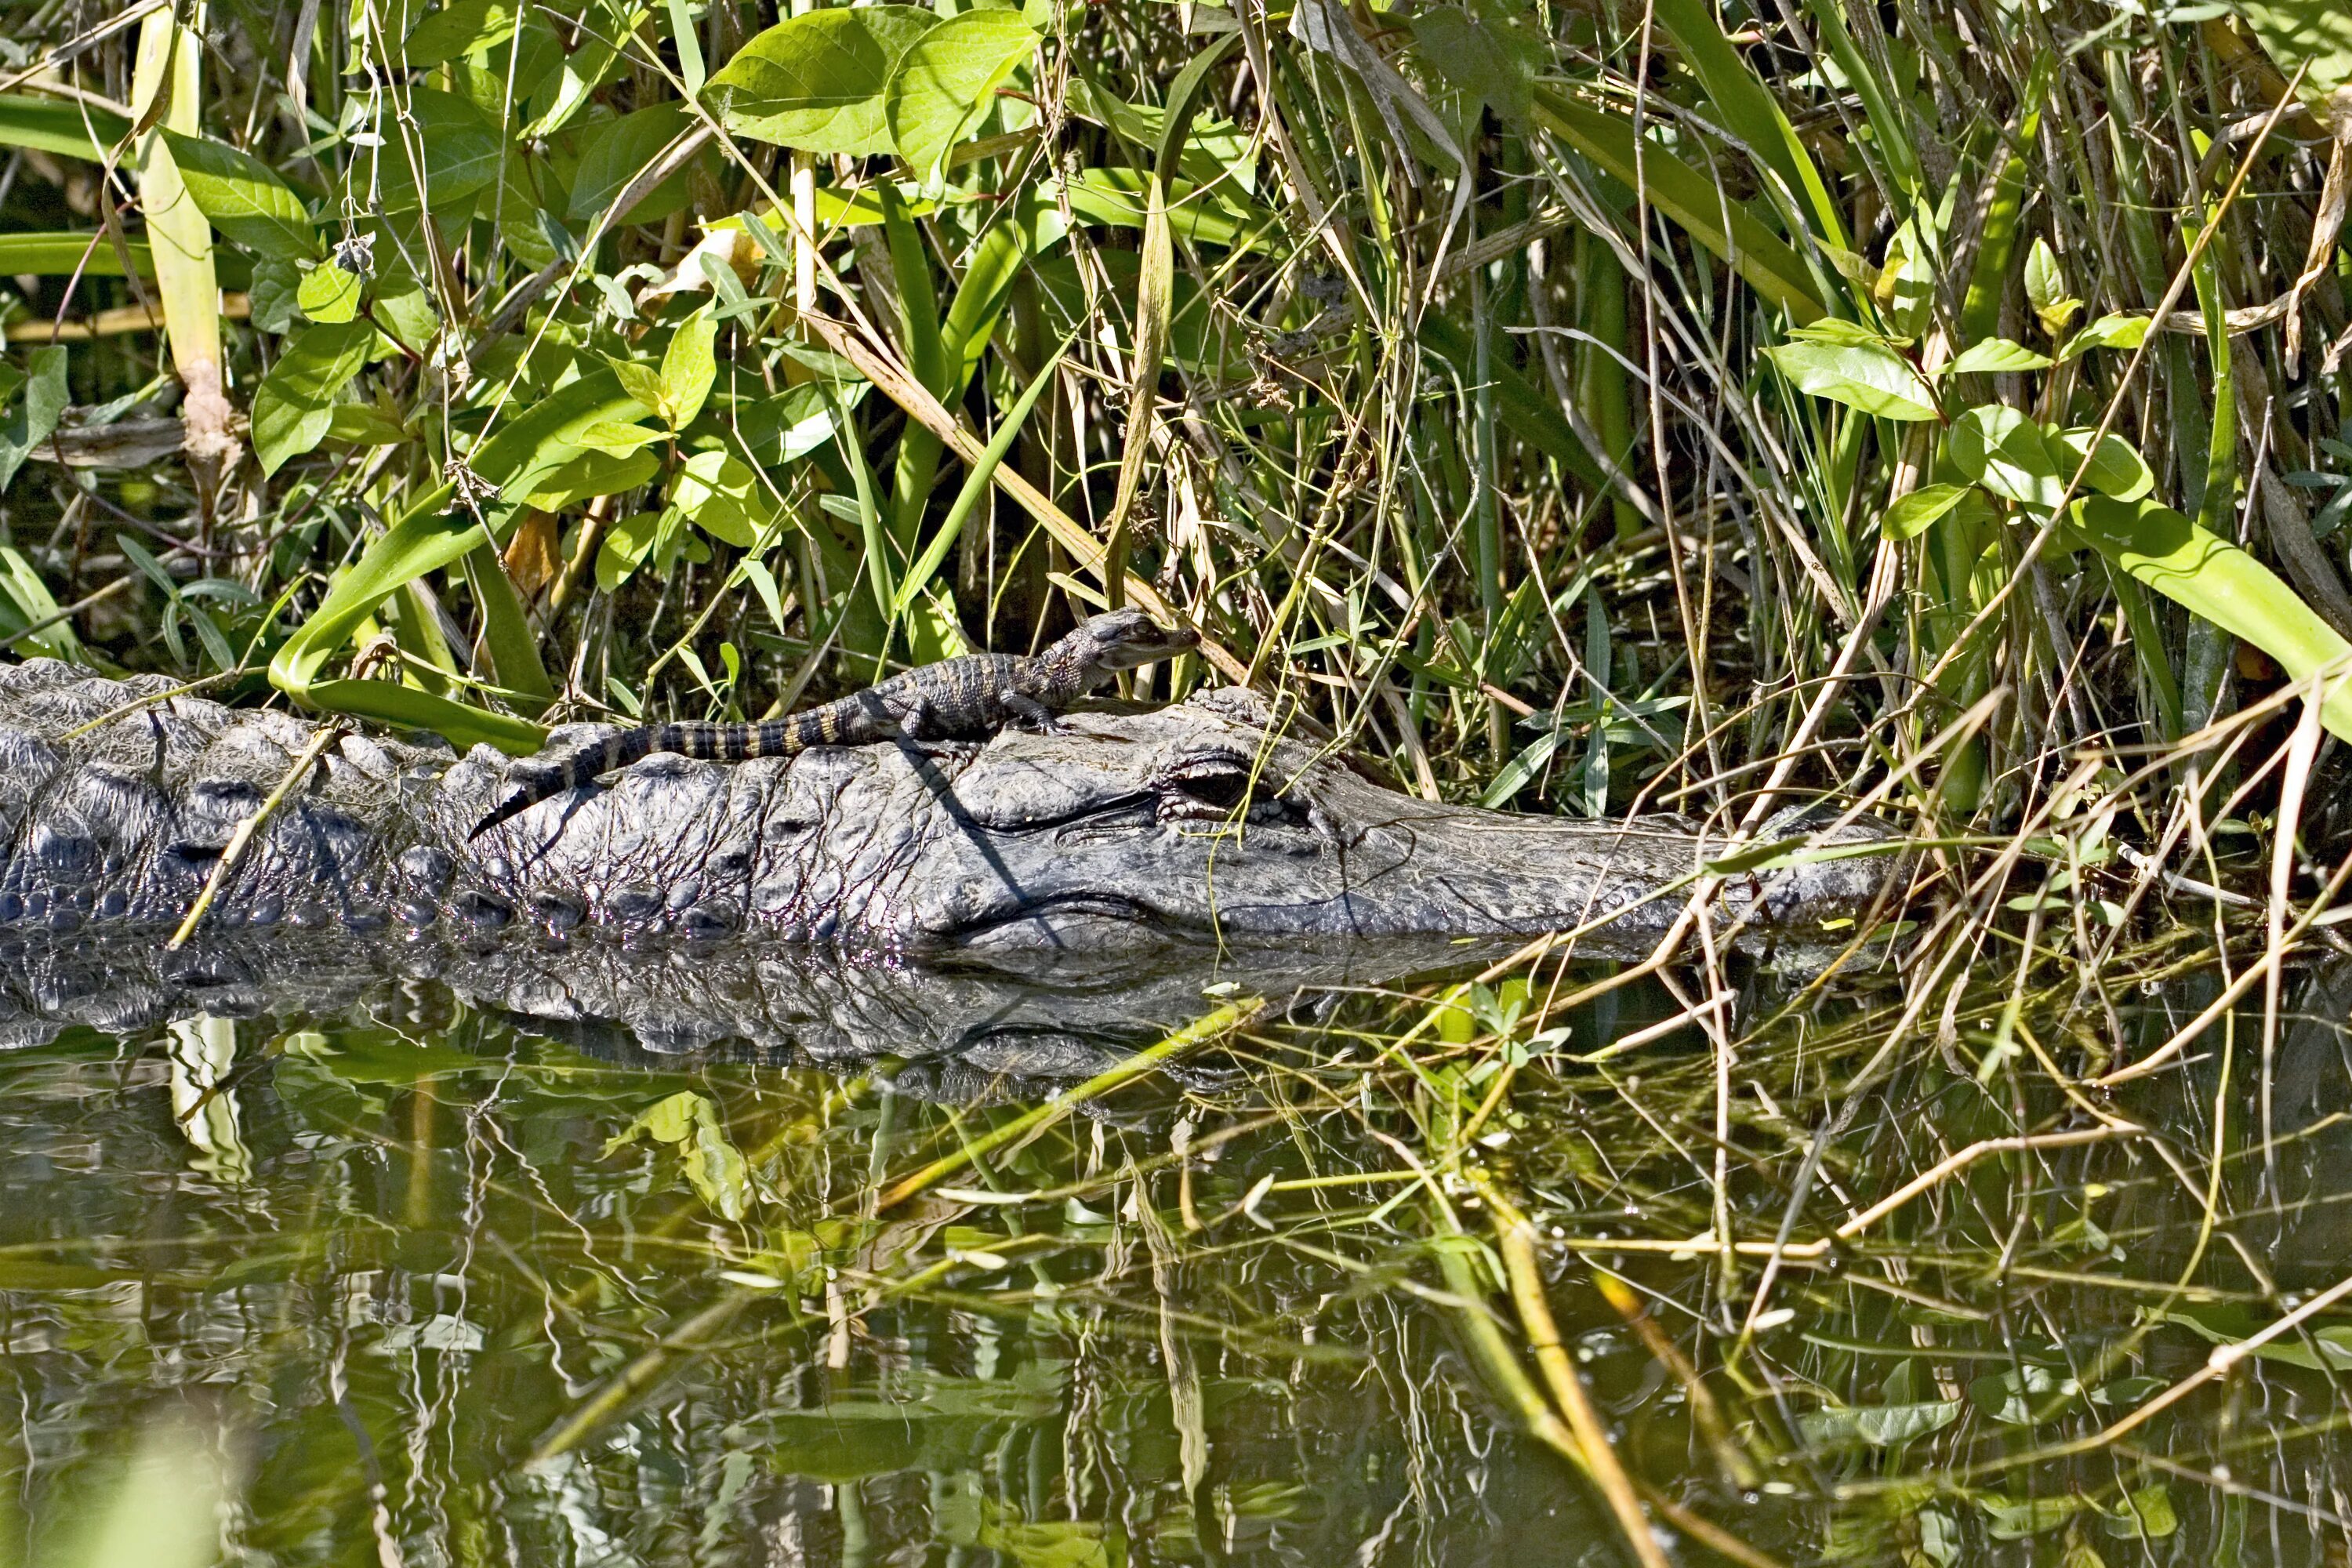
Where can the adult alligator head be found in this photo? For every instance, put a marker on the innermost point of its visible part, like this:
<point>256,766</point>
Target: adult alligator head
<point>1198,823</point>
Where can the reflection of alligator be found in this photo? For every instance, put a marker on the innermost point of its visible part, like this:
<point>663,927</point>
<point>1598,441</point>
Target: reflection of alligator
<point>960,1030</point>
<point>1196,822</point>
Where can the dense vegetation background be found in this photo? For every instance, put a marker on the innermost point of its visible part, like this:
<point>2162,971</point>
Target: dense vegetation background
<point>1590,406</point>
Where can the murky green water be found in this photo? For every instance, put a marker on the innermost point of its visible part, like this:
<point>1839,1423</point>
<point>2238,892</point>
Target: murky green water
<point>427,1285</point>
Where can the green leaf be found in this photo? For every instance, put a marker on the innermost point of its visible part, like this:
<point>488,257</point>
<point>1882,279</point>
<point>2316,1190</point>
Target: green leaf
<point>613,435</point>
<point>54,125</point>
<point>2117,468</point>
<point>243,197</point>
<point>724,497</point>
<point>687,370</point>
<point>618,152</point>
<point>2045,289</point>
<point>1998,354</point>
<point>450,153</point>
<point>36,413</point>
<point>593,473</point>
<point>2313,37</point>
<point>63,253</point>
<point>1687,196</point>
<point>641,382</point>
<point>1877,1425</point>
<point>1860,376</point>
<point>425,541</point>
<point>2214,578</point>
<point>2015,1519</point>
<point>294,407</point>
<point>2146,1514</point>
<point>1748,110</point>
<point>816,81</point>
<point>459,31</point>
<point>1487,58</point>
<point>328,295</point>
<point>2109,333</point>
<point>714,1166</point>
<point>626,545</point>
<point>25,602</point>
<point>1911,516</point>
<point>946,82</point>
<point>2009,454</point>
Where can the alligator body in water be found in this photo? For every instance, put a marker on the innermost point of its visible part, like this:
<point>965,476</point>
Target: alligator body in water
<point>1194,823</point>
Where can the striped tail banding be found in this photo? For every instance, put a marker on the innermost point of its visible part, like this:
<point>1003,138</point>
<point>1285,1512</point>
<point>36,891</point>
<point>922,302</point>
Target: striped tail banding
<point>535,780</point>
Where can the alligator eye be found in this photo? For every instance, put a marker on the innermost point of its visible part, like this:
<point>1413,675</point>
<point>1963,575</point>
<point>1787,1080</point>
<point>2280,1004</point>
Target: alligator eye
<point>1206,787</point>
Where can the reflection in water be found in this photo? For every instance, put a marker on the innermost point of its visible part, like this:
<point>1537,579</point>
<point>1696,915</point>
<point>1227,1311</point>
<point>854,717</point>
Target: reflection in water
<point>705,1256</point>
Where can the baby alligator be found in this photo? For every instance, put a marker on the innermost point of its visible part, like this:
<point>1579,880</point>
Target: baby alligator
<point>955,700</point>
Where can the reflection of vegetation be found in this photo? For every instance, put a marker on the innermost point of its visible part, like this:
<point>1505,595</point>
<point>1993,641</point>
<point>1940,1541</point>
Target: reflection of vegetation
<point>1283,1321</point>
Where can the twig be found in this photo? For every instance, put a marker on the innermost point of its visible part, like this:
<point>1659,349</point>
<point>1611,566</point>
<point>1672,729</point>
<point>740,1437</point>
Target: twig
<point>243,836</point>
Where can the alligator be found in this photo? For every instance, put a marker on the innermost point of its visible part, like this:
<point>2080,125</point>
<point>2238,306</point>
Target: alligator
<point>1203,822</point>
<point>965,698</point>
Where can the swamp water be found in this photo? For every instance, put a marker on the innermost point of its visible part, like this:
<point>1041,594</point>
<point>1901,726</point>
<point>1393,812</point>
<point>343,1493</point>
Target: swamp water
<point>367,1268</point>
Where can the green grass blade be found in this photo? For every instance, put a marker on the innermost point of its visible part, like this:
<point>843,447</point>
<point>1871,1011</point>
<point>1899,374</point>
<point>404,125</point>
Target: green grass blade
<point>1689,198</point>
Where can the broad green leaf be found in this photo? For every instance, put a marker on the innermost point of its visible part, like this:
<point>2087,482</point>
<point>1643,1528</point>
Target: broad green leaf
<point>243,197</point>
<point>618,152</point>
<point>2214,578</point>
<point>593,473</point>
<point>946,82</point>
<point>1860,376</point>
<point>1912,514</point>
<point>687,370</point>
<point>328,295</point>
<point>294,407</point>
<point>366,424</point>
<point>35,413</point>
<point>2330,1349</point>
<point>2313,37</point>
<point>2010,1519</point>
<point>626,545</point>
<point>724,499</point>
<point>450,153</point>
<point>549,434</point>
<point>2117,469</point>
<point>2011,456</point>
<point>458,31</point>
<point>641,382</point>
<point>816,81</point>
<point>272,296</point>
<point>1117,197</point>
<point>1998,354</point>
<point>54,125</point>
<point>2148,1512</point>
<point>1485,57</point>
<point>1878,1426</point>
<point>2045,289</point>
<point>1838,330</point>
<point>2109,333</point>
<point>613,436</point>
